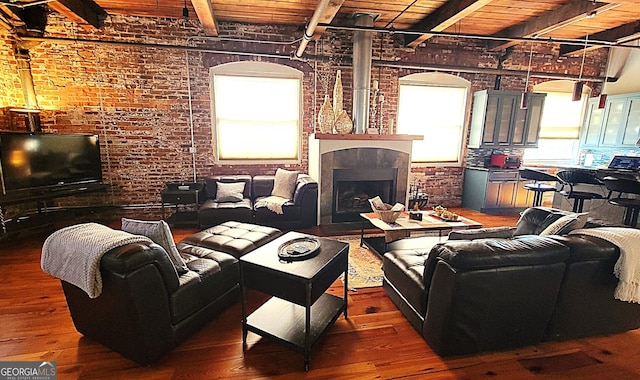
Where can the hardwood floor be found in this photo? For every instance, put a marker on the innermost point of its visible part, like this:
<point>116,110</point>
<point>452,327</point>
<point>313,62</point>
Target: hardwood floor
<point>376,342</point>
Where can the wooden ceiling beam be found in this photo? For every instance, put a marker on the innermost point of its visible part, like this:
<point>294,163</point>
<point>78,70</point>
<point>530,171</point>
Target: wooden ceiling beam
<point>86,13</point>
<point>204,10</point>
<point>327,16</point>
<point>448,14</point>
<point>621,34</point>
<point>547,22</point>
<point>10,14</point>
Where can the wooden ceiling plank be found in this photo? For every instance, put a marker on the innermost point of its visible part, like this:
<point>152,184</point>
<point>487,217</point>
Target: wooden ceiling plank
<point>10,14</point>
<point>564,15</point>
<point>85,13</point>
<point>204,10</point>
<point>448,14</point>
<point>327,16</point>
<point>621,34</point>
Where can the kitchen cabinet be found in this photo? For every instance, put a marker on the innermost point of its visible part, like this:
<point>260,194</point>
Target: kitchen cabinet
<point>498,121</point>
<point>617,125</point>
<point>494,190</point>
<point>593,123</point>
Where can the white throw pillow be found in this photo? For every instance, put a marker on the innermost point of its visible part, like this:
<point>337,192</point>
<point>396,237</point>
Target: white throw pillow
<point>160,233</point>
<point>566,224</point>
<point>229,192</point>
<point>285,183</point>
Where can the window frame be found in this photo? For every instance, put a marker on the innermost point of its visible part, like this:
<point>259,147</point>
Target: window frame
<point>256,69</point>
<point>565,87</point>
<point>435,79</point>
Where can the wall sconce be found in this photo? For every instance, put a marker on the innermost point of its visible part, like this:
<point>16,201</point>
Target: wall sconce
<point>31,118</point>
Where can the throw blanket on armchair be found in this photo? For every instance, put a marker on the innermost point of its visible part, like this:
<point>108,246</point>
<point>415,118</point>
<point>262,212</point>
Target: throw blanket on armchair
<point>273,203</point>
<point>73,253</point>
<point>627,268</point>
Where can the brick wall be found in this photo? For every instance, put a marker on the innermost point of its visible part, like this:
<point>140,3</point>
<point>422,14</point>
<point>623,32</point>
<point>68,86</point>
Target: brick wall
<point>10,94</point>
<point>136,97</point>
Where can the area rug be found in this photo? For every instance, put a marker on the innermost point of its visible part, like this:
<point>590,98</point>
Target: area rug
<point>365,267</point>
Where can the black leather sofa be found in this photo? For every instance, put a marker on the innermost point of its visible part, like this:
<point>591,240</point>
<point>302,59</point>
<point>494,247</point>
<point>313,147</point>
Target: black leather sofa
<point>508,290</point>
<point>299,212</point>
<point>145,308</point>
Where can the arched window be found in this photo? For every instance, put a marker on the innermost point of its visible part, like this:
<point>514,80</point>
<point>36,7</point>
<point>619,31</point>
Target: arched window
<point>256,112</point>
<point>434,105</point>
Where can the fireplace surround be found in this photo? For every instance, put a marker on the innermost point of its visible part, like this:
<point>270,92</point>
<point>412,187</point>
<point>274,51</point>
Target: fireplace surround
<point>371,157</point>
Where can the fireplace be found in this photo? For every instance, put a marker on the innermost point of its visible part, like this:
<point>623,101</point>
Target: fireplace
<point>381,161</point>
<point>352,189</point>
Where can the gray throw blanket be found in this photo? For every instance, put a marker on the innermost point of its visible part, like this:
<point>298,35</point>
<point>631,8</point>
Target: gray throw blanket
<point>73,253</point>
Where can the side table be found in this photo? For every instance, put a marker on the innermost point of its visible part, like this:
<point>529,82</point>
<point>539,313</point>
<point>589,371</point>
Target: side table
<point>175,197</point>
<point>300,311</point>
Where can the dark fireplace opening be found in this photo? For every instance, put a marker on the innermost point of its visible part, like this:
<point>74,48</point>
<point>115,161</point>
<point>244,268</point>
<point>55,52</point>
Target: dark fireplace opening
<point>352,189</point>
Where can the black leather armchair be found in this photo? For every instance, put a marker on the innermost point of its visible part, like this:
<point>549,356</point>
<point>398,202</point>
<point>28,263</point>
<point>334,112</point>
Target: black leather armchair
<point>471,296</point>
<point>145,309</point>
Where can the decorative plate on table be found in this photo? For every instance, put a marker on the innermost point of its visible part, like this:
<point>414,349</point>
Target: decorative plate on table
<point>447,218</point>
<point>299,249</point>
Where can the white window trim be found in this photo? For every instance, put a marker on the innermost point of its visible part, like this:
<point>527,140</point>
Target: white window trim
<point>260,70</point>
<point>435,79</point>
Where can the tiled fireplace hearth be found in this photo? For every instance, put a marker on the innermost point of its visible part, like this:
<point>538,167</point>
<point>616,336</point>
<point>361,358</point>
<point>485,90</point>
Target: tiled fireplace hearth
<point>352,168</point>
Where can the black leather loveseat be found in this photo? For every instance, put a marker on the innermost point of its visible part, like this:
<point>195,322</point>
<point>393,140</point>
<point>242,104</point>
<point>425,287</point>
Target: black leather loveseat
<point>300,212</point>
<point>514,289</point>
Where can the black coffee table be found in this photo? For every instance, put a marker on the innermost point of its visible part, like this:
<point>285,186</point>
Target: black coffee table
<point>300,311</point>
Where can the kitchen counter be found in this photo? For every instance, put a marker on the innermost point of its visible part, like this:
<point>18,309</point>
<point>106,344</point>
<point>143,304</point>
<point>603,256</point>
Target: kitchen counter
<point>482,168</point>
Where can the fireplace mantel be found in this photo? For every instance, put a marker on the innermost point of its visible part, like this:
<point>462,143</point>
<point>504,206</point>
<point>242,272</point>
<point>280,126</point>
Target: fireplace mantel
<point>364,136</point>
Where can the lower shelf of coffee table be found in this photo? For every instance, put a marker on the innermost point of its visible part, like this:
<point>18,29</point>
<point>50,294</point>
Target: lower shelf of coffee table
<point>376,244</point>
<point>284,321</point>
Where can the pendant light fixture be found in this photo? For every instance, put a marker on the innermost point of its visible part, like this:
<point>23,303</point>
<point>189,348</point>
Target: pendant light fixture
<point>185,10</point>
<point>524,100</point>
<point>602,101</point>
<point>578,86</point>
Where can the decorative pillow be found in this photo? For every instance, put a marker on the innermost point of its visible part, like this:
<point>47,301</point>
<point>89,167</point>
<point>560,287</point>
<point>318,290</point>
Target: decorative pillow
<point>285,183</point>
<point>566,224</point>
<point>160,233</point>
<point>229,192</point>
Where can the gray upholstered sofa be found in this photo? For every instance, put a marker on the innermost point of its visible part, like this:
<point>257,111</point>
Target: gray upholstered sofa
<point>500,288</point>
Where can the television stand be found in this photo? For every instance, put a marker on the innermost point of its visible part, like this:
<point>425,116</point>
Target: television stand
<point>44,214</point>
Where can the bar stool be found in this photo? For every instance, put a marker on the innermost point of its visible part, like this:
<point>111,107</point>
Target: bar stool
<point>538,188</point>
<point>632,205</point>
<point>578,177</point>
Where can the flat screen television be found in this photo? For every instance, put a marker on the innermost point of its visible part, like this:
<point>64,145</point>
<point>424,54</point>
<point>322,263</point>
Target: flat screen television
<point>42,161</point>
